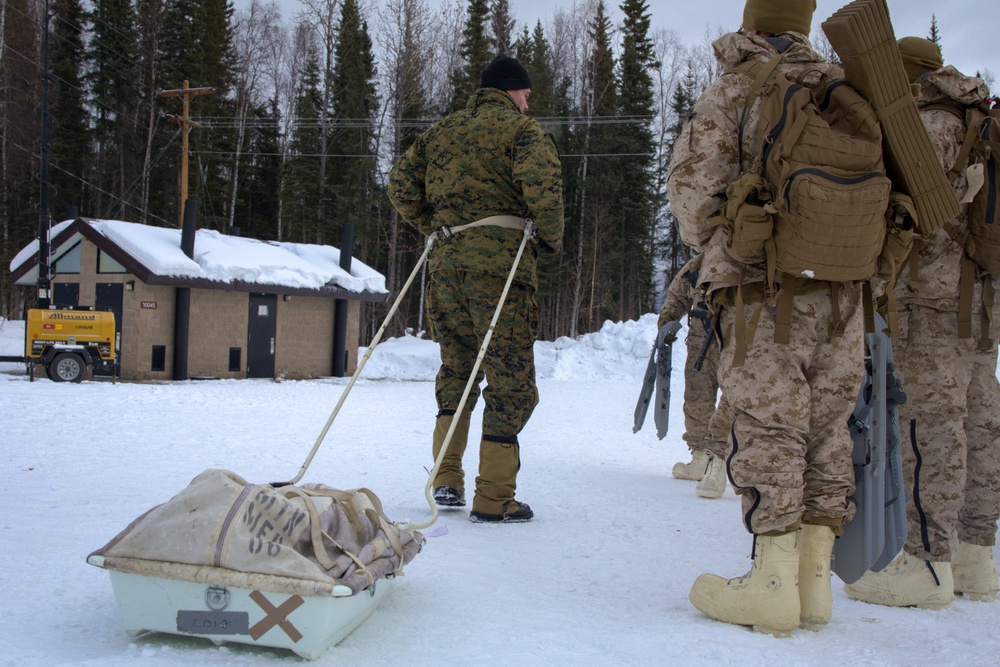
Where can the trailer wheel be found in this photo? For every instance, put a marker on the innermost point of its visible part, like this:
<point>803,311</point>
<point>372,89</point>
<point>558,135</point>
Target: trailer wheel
<point>67,367</point>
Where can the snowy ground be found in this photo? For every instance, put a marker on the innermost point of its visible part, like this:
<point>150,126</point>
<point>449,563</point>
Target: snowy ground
<point>601,576</point>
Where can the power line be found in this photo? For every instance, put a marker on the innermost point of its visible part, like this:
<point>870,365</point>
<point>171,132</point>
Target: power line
<point>84,181</point>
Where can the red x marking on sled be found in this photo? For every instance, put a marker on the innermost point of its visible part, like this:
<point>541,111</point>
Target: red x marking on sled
<point>275,616</point>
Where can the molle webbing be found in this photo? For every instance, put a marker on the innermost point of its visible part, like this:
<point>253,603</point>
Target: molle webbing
<point>783,301</point>
<point>862,36</point>
<point>816,204</point>
<point>967,283</point>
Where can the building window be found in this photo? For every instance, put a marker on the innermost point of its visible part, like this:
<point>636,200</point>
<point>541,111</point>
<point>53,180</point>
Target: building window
<point>68,262</point>
<point>107,264</point>
<point>235,360</point>
<point>159,358</point>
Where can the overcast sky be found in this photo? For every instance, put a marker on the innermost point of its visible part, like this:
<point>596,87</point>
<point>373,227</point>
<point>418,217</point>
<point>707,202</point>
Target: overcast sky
<point>968,27</point>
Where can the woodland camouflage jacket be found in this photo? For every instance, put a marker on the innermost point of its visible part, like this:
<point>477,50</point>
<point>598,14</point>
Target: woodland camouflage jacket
<point>939,257</point>
<point>707,155</point>
<point>487,159</point>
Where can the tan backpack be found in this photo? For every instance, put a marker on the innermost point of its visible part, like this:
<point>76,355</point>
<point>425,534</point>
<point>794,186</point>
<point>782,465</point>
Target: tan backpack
<point>979,162</point>
<point>817,207</point>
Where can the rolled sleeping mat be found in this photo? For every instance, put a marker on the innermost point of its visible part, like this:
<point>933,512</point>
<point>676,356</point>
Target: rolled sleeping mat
<point>862,35</point>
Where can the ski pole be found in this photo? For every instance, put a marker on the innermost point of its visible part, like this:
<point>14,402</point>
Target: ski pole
<point>361,365</point>
<point>528,230</point>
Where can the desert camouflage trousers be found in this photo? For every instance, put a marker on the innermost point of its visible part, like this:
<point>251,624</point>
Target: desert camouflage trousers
<point>703,430</point>
<point>790,450</point>
<point>950,433</point>
<point>460,306</point>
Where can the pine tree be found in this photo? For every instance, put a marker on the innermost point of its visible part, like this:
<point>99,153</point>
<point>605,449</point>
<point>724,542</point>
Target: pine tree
<point>355,105</point>
<point>476,54</point>
<point>19,130</point>
<point>637,206</point>
<point>112,78</point>
<point>407,42</point>
<point>300,179</point>
<point>502,25</point>
<point>257,207</point>
<point>70,134</point>
<point>197,47</point>
<point>934,35</point>
<point>256,35</point>
<point>592,194</point>
<point>157,187</point>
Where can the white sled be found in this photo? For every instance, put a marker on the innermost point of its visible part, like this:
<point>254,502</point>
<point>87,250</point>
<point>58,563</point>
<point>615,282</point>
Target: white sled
<point>305,625</point>
<point>292,567</point>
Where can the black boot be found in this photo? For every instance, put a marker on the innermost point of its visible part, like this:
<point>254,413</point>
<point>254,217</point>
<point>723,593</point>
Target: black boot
<point>521,514</point>
<point>447,496</point>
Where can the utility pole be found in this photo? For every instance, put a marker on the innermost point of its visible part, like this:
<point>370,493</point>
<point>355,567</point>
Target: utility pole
<point>43,200</point>
<point>186,124</point>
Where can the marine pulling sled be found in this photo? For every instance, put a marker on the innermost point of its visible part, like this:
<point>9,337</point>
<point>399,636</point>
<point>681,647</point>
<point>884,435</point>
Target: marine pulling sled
<point>281,565</point>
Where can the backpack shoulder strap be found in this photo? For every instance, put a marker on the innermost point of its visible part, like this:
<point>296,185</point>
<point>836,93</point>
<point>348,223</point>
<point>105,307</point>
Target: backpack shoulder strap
<point>760,72</point>
<point>973,119</point>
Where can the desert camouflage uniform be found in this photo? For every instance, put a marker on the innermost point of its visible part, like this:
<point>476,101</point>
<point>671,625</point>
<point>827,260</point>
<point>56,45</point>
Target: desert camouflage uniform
<point>701,388</point>
<point>951,419</point>
<point>790,453</point>
<point>487,159</point>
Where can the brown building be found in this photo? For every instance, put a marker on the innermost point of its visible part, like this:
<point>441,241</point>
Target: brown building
<point>255,309</point>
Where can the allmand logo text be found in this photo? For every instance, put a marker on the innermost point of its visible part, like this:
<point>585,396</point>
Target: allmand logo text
<point>64,316</point>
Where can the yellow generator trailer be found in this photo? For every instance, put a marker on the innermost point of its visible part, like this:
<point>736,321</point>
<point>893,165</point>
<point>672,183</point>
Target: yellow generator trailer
<point>66,342</point>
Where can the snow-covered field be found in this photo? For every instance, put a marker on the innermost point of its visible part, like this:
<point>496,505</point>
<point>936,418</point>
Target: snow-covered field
<point>599,578</point>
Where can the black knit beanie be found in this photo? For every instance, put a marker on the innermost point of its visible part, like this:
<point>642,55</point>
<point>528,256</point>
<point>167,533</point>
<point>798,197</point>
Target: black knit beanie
<point>505,73</point>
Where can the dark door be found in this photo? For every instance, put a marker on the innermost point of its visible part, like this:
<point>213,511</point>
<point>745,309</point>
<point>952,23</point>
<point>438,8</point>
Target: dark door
<point>65,295</point>
<point>261,330</point>
<point>109,297</point>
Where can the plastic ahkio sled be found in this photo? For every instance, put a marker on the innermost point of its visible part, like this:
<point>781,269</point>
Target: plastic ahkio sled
<point>294,567</point>
<point>277,565</point>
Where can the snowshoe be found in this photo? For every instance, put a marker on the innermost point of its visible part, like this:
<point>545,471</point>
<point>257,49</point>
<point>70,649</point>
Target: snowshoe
<point>521,515</point>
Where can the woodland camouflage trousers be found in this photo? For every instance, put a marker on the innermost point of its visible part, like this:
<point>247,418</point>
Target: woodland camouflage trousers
<point>790,450</point>
<point>460,306</point>
<point>950,434</point>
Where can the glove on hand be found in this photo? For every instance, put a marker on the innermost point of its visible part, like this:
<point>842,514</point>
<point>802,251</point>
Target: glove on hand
<point>548,248</point>
<point>671,335</point>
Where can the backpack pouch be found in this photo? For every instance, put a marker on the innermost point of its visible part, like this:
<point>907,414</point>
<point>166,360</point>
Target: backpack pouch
<point>751,218</point>
<point>831,228</point>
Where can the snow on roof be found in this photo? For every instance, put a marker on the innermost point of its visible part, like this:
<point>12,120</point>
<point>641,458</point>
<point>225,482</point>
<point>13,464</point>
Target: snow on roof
<point>228,259</point>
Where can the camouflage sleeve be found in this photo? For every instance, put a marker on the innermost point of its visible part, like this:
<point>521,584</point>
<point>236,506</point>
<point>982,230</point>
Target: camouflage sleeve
<point>539,174</point>
<point>407,189</point>
<point>706,160</point>
<point>947,134</point>
<point>678,300</point>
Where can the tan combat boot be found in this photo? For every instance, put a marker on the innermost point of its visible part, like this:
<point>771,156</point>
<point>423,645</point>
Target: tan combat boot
<point>449,484</point>
<point>713,484</point>
<point>815,597</point>
<point>694,470</point>
<point>974,570</point>
<point>499,461</point>
<point>766,597</point>
<point>906,582</point>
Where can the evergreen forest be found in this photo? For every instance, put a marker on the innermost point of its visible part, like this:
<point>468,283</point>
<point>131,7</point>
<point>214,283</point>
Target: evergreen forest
<point>294,122</point>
